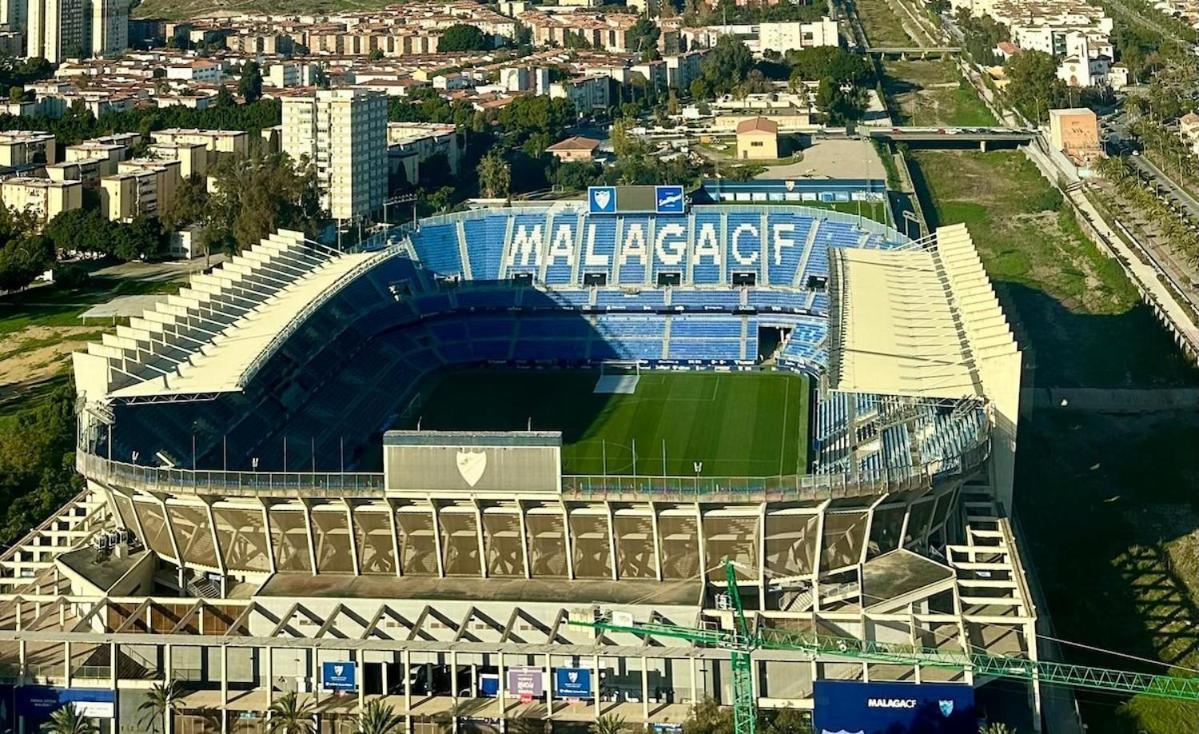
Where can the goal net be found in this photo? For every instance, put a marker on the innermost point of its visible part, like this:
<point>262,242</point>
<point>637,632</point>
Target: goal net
<point>618,377</point>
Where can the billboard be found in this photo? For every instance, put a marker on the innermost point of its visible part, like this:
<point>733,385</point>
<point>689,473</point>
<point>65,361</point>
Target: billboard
<point>526,682</point>
<point>667,199</point>
<point>573,682</point>
<point>482,461</point>
<point>893,708</point>
<point>38,702</point>
<point>339,676</point>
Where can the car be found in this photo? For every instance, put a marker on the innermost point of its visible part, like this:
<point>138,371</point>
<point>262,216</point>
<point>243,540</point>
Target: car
<point>940,131</point>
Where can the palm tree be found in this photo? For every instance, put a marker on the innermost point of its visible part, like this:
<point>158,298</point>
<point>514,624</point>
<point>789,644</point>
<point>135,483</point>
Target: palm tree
<point>495,177</point>
<point>997,727</point>
<point>289,716</point>
<point>608,724</point>
<point>160,705</point>
<point>68,720</point>
<point>379,718</point>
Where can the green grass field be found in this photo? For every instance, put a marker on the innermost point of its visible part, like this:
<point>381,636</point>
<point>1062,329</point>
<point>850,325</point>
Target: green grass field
<point>737,424</point>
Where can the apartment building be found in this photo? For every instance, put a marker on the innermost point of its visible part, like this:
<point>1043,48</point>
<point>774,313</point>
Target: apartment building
<point>55,29</point>
<point>587,93</point>
<point>230,142</point>
<point>609,32</point>
<point>784,37</point>
<point>344,133</point>
<point>410,144</point>
<point>109,26</point>
<point>193,158</point>
<point>25,149</point>
<point>60,29</point>
<point>43,197</point>
<point>141,187</point>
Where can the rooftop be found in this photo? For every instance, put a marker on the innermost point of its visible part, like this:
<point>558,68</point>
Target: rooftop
<point>757,125</point>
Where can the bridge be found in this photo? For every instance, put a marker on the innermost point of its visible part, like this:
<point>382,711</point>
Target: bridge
<point>923,52</point>
<point>951,137</point>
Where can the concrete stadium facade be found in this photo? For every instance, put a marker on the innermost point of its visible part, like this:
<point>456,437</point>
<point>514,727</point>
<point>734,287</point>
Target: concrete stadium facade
<point>453,603</point>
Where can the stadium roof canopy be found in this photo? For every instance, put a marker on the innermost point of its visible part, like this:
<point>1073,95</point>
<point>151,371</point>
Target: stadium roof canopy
<point>919,322</point>
<point>213,335</point>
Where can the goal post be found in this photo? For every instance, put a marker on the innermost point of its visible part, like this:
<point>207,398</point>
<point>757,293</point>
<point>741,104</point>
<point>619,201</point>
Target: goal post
<point>620,368</point>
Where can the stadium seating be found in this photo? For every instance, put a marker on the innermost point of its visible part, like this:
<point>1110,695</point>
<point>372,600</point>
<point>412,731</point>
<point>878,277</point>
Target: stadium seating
<point>588,292</point>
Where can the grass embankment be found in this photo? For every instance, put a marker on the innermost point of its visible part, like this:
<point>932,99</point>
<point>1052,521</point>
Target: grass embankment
<point>932,94</point>
<point>1106,503</point>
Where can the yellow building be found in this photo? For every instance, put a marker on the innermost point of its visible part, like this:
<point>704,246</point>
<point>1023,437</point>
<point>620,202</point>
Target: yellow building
<point>140,187</point>
<point>21,148</point>
<point>1075,132</point>
<point>574,149</point>
<point>757,139</point>
<point>45,198</point>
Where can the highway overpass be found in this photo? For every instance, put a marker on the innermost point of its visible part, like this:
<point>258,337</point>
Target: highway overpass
<point>950,137</point>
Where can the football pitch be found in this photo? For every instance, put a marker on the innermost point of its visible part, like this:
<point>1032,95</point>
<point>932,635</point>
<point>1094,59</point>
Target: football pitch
<point>719,423</point>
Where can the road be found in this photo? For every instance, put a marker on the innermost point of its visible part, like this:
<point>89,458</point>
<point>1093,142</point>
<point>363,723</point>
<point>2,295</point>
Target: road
<point>965,134</point>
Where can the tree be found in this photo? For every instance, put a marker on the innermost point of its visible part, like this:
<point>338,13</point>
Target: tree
<point>379,718</point>
<point>159,706</point>
<point>724,67</point>
<point>841,103</point>
<point>608,724</point>
<point>258,195</point>
<point>289,716</point>
<point>189,205</point>
<point>997,727</point>
<point>1033,86</point>
<point>68,720</point>
<point>375,55</point>
<point>24,259</point>
<point>537,113</point>
<point>495,177</point>
<point>249,86</point>
<point>829,62</point>
<point>463,37</point>
<point>643,38</point>
<point>624,143</point>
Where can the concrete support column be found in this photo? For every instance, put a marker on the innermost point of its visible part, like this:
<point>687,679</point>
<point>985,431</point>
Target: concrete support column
<point>502,692</point>
<point>270,676</point>
<point>595,686</point>
<point>549,687</point>
<point>406,676</point>
<point>454,684</point>
<point>694,681</point>
<point>114,679</point>
<point>644,689</point>
<point>360,661</point>
<point>224,689</point>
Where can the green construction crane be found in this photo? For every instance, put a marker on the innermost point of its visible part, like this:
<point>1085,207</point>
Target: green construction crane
<point>741,641</point>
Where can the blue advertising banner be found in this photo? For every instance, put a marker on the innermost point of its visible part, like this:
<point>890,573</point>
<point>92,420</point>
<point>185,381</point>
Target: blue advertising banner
<point>38,702</point>
<point>339,676</point>
<point>893,708</point>
<point>601,200</point>
<point>669,199</point>
<point>573,682</point>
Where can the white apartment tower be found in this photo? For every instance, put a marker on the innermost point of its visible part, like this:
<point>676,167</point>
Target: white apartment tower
<point>59,29</point>
<point>56,29</point>
<point>12,14</point>
<point>344,133</point>
<point>109,26</point>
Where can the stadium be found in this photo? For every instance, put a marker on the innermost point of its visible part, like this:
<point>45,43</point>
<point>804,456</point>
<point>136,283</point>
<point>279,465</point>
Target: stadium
<point>407,471</point>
